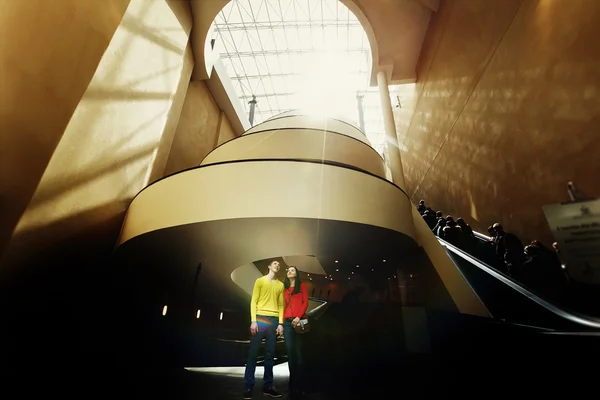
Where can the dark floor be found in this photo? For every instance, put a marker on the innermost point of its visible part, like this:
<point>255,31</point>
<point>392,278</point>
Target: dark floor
<point>338,374</point>
<point>227,382</point>
<point>419,381</point>
<point>346,358</point>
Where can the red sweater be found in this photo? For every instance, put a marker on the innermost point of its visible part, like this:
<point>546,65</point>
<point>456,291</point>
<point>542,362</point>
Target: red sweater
<point>295,304</point>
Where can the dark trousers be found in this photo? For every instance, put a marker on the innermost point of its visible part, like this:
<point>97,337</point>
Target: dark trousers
<point>266,329</point>
<point>293,347</point>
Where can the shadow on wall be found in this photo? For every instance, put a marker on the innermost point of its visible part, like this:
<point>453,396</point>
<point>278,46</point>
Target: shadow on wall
<point>42,86</point>
<point>55,273</point>
<point>104,163</point>
<point>97,160</point>
<point>136,27</point>
<point>110,86</point>
<point>512,160</point>
<point>510,120</point>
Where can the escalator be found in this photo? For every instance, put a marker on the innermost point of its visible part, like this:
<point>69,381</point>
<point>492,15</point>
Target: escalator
<point>511,301</point>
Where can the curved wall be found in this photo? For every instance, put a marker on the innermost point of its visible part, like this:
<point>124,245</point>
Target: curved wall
<point>297,143</point>
<point>311,122</point>
<point>274,193</point>
<point>281,172</point>
<point>269,193</point>
<point>308,115</point>
<point>268,189</point>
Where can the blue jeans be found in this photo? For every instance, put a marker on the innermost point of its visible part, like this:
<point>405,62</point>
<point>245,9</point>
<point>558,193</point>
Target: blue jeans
<point>266,329</point>
<point>293,347</point>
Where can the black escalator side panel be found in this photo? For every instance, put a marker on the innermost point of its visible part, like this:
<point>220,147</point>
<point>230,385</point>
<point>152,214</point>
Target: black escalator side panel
<point>505,302</point>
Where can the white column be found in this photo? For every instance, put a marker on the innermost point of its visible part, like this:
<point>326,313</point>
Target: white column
<point>391,141</point>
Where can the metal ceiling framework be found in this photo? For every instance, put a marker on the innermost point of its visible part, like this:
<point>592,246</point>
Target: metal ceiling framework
<point>276,49</point>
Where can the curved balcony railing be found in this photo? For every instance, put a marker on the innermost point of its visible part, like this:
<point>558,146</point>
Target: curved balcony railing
<point>312,115</point>
<point>310,122</point>
<point>265,189</point>
<point>299,143</point>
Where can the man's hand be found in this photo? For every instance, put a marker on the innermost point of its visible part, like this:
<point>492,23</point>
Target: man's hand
<point>253,328</point>
<point>295,322</point>
<point>279,330</point>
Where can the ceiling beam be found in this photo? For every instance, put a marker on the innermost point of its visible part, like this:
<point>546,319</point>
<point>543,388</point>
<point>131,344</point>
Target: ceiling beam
<point>282,75</point>
<point>255,53</point>
<point>238,26</point>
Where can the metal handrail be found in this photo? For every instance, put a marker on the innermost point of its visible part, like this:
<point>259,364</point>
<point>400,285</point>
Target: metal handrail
<point>572,316</point>
<point>481,236</point>
<point>318,311</point>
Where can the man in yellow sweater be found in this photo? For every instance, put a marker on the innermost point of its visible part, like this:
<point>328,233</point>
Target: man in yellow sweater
<point>266,312</point>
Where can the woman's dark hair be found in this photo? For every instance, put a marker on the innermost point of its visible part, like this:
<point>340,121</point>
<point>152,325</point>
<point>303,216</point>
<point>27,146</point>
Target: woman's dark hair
<point>287,283</point>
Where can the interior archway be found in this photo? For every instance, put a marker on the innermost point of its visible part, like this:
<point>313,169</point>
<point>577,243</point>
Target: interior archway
<point>294,54</point>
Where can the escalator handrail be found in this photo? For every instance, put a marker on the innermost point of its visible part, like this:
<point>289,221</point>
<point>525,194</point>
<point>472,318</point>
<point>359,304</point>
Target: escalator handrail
<point>572,316</point>
<point>482,237</point>
<point>318,311</point>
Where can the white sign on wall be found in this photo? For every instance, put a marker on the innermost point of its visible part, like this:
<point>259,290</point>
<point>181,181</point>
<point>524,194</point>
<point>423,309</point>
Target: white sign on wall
<point>576,229</point>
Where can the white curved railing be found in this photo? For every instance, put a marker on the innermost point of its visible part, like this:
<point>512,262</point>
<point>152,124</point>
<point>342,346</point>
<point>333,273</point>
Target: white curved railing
<point>308,122</point>
<point>311,114</point>
<point>309,144</point>
<point>263,189</point>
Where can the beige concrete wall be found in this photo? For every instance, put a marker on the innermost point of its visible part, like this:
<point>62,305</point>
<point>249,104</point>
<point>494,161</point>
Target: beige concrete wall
<point>307,144</point>
<point>399,28</point>
<point>506,111</point>
<point>158,167</point>
<point>291,121</point>
<point>200,127</point>
<point>116,139</point>
<point>48,54</point>
<point>226,132</point>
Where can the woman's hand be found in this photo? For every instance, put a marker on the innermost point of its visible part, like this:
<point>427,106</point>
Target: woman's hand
<point>295,322</point>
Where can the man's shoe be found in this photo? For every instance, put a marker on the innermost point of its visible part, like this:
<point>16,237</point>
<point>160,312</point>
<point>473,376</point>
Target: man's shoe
<point>271,392</point>
<point>248,394</point>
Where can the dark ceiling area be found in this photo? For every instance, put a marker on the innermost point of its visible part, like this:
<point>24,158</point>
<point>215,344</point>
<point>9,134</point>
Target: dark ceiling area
<point>165,262</point>
<point>342,270</point>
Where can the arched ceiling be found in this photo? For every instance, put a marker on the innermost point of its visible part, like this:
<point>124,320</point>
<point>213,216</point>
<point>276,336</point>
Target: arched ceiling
<point>290,54</point>
<point>274,49</point>
<point>395,29</point>
<point>399,27</point>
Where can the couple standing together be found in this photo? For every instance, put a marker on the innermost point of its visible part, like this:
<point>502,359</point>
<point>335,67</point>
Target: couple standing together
<point>276,309</point>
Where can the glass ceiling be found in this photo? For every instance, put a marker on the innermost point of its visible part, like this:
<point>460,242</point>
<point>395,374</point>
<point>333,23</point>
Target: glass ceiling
<point>311,54</point>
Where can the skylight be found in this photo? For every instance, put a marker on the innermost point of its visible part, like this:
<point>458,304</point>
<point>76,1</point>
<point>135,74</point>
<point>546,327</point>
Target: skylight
<point>310,54</point>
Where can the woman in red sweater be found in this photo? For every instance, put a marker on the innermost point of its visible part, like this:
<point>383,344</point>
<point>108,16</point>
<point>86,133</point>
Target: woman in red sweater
<point>295,296</point>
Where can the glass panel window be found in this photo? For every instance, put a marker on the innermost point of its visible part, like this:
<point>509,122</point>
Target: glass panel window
<point>299,54</point>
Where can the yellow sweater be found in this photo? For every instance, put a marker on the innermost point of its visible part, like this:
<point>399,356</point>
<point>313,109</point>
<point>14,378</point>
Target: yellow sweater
<point>267,299</point>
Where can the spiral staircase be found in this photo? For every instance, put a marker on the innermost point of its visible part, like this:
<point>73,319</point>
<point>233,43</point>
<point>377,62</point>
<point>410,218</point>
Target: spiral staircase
<point>304,189</point>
